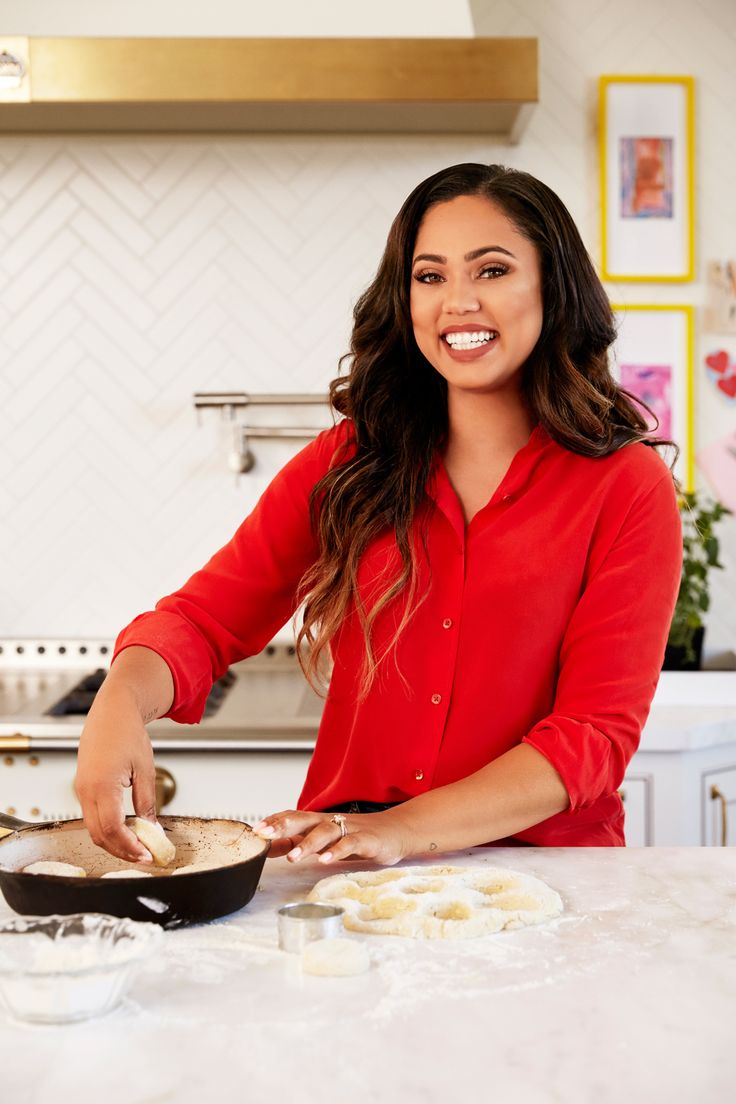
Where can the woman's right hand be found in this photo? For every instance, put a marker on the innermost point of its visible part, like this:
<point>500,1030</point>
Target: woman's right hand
<point>115,751</point>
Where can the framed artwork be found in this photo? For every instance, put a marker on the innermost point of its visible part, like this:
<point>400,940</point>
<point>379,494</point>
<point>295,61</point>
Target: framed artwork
<point>647,178</point>
<point>719,315</point>
<point>652,358</point>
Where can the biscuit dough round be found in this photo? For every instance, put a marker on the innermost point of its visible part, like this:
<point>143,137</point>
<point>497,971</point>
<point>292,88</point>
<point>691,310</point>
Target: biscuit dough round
<point>335,958</point>
<point>59,869</point>
<point>155,839</point>
<point>439,902</point>
<point>128,874</point>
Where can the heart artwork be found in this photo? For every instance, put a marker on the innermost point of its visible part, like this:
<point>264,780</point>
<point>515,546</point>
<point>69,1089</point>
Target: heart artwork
<point>722,371</point>
<point>718,361</point>
<point>727,386</point>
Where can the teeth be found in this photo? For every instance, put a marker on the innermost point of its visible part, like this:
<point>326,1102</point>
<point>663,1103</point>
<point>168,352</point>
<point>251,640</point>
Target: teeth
<point>469,340</point>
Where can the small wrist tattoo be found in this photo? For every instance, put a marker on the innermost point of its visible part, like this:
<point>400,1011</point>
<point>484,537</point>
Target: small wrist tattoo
<point>433,847</point>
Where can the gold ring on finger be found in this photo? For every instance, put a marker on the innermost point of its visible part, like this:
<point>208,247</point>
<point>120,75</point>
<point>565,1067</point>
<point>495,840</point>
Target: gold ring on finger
<point>339,820</point>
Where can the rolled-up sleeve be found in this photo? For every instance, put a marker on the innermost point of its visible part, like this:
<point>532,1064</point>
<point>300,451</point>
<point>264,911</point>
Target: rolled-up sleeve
<point>247,591</point>
<point>612,650</point>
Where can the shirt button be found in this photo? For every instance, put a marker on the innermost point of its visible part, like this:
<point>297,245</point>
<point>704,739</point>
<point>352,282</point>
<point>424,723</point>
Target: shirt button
<point>447,623</point>
<point>419,775</point>
<point>436,699</point>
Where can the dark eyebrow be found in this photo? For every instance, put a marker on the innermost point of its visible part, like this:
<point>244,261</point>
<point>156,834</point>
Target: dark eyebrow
<point>471,256</point>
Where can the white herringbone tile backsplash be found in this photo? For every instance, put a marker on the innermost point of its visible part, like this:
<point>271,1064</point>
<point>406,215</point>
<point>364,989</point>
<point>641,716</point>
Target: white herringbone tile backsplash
<point>136,270</point>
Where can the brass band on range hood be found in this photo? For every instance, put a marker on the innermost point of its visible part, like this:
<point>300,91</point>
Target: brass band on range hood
<point>461,85</point>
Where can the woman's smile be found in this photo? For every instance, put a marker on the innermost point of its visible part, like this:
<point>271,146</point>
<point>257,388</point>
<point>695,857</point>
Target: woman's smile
<point>469,342</point>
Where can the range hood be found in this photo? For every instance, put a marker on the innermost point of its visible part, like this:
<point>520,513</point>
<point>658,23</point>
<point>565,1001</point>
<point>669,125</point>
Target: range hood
<point>468,85</point>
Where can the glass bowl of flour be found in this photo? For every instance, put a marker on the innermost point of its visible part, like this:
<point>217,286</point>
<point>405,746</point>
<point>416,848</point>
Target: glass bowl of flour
<point>62,969</point>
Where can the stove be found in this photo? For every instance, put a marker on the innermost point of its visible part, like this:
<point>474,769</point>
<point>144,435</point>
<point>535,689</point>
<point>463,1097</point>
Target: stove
<point>77,701</point>
<point>247,756</point>
<point>46,688</point>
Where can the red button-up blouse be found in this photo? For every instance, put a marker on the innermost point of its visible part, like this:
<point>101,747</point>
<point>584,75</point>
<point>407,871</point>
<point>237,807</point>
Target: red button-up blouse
<point>545,623</point>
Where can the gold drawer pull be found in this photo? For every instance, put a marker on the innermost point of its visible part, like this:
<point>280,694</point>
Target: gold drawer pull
<point>165,788</point>
<point>716,795</point>
<point>17,742</point>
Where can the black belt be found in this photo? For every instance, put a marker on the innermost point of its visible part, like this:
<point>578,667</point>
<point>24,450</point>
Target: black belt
<point>361,807</point>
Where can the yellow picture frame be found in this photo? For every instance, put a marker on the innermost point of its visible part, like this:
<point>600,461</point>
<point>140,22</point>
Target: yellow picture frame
<point>680,342</point>
<point>664,238</point>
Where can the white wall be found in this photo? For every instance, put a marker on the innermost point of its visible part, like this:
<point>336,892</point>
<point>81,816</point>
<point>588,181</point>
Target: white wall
<point>279,18</point>
<point>135,270</point>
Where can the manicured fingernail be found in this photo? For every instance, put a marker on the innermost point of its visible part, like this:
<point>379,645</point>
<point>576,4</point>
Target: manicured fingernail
<point>267,830</point>
<point>327,857</point>
<point>259,824</point>
<point>295,853</point>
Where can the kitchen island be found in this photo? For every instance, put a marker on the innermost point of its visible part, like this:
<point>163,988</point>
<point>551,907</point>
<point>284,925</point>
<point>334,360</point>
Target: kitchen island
<point>629,996</point>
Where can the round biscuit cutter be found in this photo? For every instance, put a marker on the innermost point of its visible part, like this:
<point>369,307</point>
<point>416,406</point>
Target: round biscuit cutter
<point>304,921</point>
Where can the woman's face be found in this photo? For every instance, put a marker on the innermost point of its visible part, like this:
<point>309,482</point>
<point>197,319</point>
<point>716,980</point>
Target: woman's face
<point>476,294</point>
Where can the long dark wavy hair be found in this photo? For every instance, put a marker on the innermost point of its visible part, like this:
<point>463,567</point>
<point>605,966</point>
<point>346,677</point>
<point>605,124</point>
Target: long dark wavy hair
<point>397,402</point>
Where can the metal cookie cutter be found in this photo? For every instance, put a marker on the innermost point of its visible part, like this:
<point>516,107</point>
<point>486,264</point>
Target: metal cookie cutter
<point>305,921</point>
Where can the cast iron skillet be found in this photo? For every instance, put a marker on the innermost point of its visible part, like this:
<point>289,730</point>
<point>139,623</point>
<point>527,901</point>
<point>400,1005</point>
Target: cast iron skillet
<point>232,854</point>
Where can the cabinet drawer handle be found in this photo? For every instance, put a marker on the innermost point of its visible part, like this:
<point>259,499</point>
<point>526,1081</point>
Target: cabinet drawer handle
<point>165,788</point>
<point>716,795</point>
<point>18,741</point>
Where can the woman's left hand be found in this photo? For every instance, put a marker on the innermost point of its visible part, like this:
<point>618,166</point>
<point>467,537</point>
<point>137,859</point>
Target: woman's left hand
<point>377,836</point>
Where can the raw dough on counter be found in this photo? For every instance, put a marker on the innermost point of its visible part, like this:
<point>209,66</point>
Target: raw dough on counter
<point>128,874</point>
<point>335,958</point>
<point>59,869</point>
<point>155,839</point>
<point>439,902</point>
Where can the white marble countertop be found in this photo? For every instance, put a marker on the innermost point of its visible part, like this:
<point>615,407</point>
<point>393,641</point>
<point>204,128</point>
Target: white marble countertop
<point>627,997</point>
<point>691,711</point>
<point>688,728</point>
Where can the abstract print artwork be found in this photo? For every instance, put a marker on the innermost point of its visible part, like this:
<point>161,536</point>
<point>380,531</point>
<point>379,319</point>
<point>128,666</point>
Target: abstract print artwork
<point>652,383</point>
<point>646,177</point>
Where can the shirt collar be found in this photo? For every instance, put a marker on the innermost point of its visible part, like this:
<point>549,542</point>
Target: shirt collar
<point>518,474</point>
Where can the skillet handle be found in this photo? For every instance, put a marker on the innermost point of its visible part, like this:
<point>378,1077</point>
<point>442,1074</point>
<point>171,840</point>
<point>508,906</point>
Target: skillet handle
<point>13,823</point>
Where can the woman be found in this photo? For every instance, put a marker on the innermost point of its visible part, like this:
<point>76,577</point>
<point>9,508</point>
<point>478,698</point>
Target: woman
<point>487,545</point>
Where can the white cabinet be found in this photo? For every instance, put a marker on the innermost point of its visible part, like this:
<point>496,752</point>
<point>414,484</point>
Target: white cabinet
<point>718,799</point>
<point>680,788</point>
<point>636,794</point>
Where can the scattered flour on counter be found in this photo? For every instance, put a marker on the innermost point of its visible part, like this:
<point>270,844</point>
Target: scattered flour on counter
<point>220,936</point>
<point>207,954</point>
<point>491,965</point>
